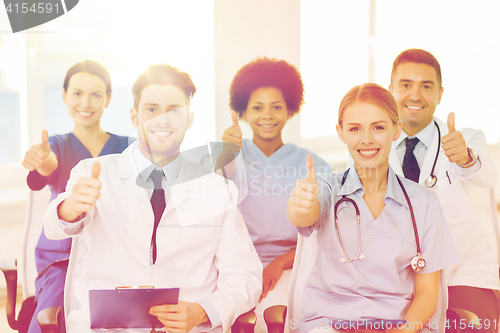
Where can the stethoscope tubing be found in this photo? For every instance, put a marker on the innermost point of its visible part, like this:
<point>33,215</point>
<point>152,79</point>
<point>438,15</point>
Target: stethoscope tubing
<point>432,179</point>
<point>358,255</point>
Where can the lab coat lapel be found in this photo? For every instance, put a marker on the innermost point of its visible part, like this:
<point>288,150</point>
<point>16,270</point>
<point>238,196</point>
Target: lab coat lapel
<point>184,185</point>
<point>126,170</point>
<point>394,161</point>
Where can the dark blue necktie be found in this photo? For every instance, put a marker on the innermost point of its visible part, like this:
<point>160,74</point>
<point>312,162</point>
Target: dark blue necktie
<point>410,165</point>
<point>158,204</point>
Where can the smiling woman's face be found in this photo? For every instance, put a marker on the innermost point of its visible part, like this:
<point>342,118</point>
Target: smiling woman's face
<point>86,98</point>
<point>266,113</point>
<point>368,132</point>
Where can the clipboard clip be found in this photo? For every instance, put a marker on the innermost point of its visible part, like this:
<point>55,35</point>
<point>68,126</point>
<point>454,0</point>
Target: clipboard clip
<point>135,287</point>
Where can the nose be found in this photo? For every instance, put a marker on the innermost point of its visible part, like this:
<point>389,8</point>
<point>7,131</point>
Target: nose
<point>415,93</point>
<point>85,101</point>
<point>367,137</point>
<point>266,113</point>
<point>163,118</point>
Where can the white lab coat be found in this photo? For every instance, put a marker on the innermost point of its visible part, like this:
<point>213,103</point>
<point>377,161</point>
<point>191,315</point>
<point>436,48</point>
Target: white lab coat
<point>203,244</point>
<point>467,206</point>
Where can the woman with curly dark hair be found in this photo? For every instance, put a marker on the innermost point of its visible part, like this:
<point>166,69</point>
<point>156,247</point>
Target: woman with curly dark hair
<point>266,93</point>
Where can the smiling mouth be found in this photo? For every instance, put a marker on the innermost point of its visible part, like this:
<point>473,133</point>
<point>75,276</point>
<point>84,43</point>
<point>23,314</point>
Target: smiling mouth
<point>414,107</point>
<point>161,134</point>
<point>368,153</point>
<point>85,114</point>
<point>267,126</point>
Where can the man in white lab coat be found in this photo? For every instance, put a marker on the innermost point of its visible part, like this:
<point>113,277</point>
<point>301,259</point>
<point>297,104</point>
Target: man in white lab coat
<point>428,147</point>
<point>180,230</point>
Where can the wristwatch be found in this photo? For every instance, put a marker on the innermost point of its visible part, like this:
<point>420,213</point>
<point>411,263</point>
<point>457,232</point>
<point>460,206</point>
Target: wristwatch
<point>472,158</point>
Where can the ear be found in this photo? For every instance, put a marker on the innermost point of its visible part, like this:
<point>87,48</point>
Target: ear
<point>190,120</point>
<point>134,117</point>
<point>390,88</point>
<point>64,94</point>
<point>340,133</point>
<point>398,126</point>
<point>109,99</point>
<point>440,95</point>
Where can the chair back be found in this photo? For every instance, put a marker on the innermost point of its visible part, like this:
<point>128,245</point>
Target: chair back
<point>35,211</point>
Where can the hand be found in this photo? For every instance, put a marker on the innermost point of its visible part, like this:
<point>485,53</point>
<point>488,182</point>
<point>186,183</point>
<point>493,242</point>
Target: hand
<point>37,154</point>
<point>181,317</point>
<point>454,144</point>
<point>305,192</point>
<point>232,135</point>
<point>83,197</point>
<point>271,275</point>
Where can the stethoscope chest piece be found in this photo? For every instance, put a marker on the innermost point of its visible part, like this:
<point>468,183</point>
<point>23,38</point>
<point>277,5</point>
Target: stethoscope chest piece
<point>431,181</point>
<point>418,263</point>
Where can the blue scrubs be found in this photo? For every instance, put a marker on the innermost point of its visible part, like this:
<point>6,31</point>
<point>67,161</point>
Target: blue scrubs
<point>380,285</point>
<point>269,182</point>
<point>50,281</point>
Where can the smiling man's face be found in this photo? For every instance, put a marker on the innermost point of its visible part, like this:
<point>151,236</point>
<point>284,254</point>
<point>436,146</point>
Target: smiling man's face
<point>161,120</point>
<point>417,91</point>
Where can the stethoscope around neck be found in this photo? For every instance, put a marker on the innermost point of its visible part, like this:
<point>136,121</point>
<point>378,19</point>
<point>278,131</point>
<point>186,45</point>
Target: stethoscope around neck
<point>417,262</point>
<point>432,179</point>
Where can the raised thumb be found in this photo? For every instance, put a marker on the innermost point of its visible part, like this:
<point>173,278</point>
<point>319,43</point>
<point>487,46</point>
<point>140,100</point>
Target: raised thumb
<point>96,170</point>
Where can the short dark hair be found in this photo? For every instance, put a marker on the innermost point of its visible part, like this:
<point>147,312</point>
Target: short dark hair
<point>373,94</point>
<point>91,67</point>
<point>165,75</point>
<point>418,56</point>
<point>265,72</point>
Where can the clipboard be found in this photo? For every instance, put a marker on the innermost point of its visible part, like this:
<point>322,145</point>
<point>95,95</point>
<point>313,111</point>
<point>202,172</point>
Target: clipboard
<point>128,308</point>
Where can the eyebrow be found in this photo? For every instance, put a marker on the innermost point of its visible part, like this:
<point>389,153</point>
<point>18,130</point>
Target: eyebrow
<point>426,81</point>
<point>374,123</point>
<point>257,102</point>
<point>168,106</point>
<point>92,92</point>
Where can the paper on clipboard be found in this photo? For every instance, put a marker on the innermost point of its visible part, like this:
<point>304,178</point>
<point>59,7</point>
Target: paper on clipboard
<point>128,308</point>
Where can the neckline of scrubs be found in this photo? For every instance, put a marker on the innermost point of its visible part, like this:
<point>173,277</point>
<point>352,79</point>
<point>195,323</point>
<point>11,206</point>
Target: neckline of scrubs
<point>278,154</point>
<point>89,153</point>
<point>390,193</point>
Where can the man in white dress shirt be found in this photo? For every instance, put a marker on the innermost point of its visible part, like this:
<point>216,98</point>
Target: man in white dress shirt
<point>180,230</point>
<point>462,167</point>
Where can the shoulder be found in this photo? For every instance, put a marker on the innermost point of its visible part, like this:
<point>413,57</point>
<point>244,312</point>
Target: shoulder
<point>106,162</point>
<point>470,133</point>
<point>206,179</point>
<point>121,140</point>
<point>467,133</point>
<point>60,139</point>
<point>301,153</point>
<point>329,180</point>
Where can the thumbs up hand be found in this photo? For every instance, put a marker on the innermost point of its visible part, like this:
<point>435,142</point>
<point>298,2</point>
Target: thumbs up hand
<point>303,206</point>
<point>232,135</point>
<point>37,154</point>
<point>454,144</point>
<point>83,197</point>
